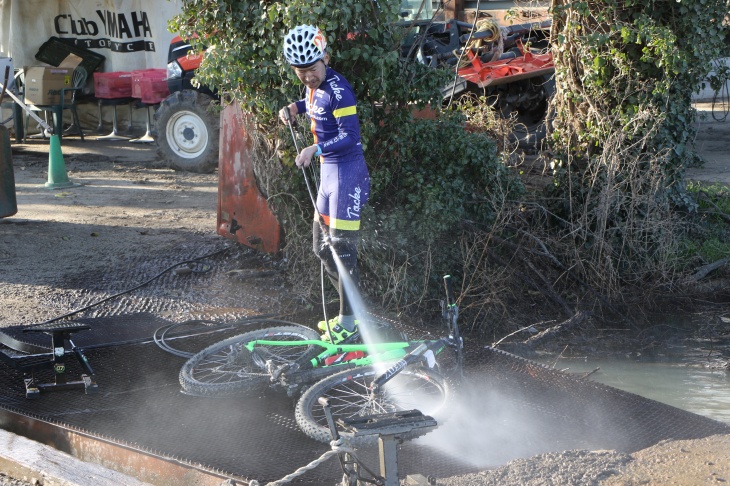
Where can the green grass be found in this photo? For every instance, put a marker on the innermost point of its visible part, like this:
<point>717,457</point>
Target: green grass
<point>710,239</point>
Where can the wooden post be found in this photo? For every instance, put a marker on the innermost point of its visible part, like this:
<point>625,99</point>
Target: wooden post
<point>454,10</point>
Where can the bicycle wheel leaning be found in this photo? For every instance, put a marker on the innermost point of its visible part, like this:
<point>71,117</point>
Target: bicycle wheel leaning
<point>348,393</point>
<point>228,368</point>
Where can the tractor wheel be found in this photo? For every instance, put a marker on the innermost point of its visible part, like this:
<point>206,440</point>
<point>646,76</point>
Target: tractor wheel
<point>186,131</point>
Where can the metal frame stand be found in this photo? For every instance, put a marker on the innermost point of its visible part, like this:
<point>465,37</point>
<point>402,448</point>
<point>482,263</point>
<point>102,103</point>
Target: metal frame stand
<point>147,137</point>
<point>59,337</point>
<point>389,427</point>
<point>115,135</point>
<point>100,125</point>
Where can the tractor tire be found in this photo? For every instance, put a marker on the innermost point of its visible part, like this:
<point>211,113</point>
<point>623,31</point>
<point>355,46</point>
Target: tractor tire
<point>186,132</point>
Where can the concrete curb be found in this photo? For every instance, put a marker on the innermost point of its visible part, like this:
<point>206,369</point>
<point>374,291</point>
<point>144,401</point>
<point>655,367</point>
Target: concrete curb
<point>31,461</point>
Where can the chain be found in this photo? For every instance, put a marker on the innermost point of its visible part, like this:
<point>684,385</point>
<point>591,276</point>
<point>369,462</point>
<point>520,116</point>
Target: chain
<point>337,448</point>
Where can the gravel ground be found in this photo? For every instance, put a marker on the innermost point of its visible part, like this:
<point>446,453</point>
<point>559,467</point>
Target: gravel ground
<point>685,462</point>
<point>8,481</point>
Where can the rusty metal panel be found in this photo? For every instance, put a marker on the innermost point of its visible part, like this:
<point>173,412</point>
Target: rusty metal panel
<point>243,212</point>
<point>145,466</point>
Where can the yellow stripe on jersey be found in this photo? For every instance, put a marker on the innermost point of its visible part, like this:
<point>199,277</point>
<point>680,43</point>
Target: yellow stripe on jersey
<point>343,224</point>
<point>313,123</point>
<point>340,224</point>
<point>347,111</point>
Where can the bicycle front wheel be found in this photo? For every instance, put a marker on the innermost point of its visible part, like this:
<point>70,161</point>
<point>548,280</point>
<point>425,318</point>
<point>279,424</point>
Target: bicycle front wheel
<point>229,368</point>
<point>349,396</point>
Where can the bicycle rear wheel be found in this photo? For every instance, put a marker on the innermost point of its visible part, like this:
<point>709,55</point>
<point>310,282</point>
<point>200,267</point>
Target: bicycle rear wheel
<point>348,393</point>
<point>228,368</point>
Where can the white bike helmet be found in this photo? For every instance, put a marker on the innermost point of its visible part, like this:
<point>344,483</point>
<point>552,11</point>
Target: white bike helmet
<point>304,45</point>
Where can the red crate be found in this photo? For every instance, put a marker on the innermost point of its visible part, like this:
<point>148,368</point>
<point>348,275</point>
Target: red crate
<point>154,90</point>
<point>113,85</point>
<point>141,74</point>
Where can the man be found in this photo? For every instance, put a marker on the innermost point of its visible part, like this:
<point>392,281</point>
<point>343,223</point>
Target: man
<point>331,107</point>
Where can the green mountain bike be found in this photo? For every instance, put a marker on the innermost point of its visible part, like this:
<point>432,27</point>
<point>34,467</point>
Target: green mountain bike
<point>375,377</point>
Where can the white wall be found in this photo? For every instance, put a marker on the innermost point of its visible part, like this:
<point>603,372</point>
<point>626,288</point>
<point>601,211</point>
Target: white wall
<point>707,93</point>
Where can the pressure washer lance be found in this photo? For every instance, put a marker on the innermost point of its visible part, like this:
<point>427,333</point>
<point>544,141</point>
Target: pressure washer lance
<point>320,219</point>
<point>287,115</point>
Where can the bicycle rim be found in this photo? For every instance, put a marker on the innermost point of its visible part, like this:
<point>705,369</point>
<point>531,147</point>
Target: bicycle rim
<point>349,397</point>
<point>228,368</point>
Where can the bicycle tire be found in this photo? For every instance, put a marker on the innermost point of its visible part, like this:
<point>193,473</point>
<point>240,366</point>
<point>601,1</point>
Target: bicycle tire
<point>347,393</point>
<point>227,368</point>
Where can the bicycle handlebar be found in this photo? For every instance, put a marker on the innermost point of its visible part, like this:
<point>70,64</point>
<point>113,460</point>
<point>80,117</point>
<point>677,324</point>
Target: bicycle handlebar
<point>449,290</point>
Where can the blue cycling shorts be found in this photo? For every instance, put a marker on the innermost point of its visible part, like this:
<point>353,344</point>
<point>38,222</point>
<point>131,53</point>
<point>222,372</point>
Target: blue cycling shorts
<point>344,190</point>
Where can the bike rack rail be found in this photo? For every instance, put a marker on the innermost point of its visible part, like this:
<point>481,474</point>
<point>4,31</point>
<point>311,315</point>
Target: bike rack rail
<point>388,427</point>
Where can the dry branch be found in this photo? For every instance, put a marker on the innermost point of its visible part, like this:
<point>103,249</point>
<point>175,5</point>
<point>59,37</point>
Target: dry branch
<point>705,270</point>
<point>548,291</point>
<point>556,331</point>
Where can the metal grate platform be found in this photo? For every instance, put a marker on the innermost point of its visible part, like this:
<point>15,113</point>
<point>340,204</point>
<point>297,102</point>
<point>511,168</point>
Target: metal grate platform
<point>139,405</point>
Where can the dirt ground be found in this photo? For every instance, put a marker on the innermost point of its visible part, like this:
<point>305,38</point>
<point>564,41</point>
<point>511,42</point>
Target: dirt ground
<point>127,205</point>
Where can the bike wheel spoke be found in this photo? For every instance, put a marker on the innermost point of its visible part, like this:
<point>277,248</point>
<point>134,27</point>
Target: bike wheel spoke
<point>229,367</point>
<point>349,396</point>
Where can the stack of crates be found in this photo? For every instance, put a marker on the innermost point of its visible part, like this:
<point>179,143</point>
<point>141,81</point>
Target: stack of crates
<point>150,85</point>
<point>113,85</point>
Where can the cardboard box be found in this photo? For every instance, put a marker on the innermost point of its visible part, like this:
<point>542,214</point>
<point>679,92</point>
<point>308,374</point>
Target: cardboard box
<point>43,84</point>
<point>7,61</point>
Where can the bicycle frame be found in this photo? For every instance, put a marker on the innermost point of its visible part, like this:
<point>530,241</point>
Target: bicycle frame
<point>403,353</point>
<point>292,357</point>
<point>374,353</point>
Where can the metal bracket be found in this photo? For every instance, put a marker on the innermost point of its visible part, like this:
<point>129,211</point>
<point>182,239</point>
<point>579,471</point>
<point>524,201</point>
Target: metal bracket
<point>389,427</point>
<point>393,423</point>
<point>57,363</point>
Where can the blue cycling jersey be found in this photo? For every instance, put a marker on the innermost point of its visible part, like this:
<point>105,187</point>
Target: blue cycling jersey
<point>345,182</point>
<point>332,109</point>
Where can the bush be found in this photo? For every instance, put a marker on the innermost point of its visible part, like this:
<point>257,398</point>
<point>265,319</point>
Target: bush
<point>623,133</point>
<point>428,175</point>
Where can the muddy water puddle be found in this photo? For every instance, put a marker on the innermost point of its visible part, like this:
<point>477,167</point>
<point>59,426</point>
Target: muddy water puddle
<point>694,381</point>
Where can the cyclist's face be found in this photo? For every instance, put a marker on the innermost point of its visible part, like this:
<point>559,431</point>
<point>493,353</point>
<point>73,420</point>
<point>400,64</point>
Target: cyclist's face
<point>314,75</point>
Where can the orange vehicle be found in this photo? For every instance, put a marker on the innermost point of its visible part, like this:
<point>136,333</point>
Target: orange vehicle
<point>511,66</point>
<point>185,131</point>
